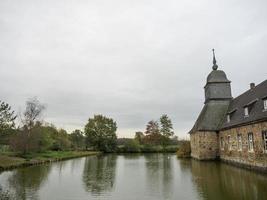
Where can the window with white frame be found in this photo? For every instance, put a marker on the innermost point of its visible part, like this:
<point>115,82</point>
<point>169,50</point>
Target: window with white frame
<point>222,143</point>
<point>264,137</point>
<point>228,118</point>
<point>250,142</point>
<point>246,111</point>
<point>229,142</point>
<point>239,142</point>
<point>265,104</point>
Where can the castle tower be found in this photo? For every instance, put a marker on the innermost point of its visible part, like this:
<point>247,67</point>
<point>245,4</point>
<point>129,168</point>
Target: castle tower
<point>204,137</point>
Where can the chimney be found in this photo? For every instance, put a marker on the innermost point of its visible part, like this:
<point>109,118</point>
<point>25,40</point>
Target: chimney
<point>252,85</point>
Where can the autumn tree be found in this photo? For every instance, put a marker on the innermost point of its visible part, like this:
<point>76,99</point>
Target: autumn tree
<point>152,133</point>
<point>100,133</point>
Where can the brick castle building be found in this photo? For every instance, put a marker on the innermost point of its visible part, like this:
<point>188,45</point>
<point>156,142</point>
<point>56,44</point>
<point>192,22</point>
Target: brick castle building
<point>231,129</point>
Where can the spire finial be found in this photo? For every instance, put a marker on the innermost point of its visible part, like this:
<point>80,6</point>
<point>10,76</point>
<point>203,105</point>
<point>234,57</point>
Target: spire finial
<point>215,66</point>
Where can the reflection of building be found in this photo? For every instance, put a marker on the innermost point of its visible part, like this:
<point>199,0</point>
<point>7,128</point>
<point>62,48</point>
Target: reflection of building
<point>232,129</point>
<point>220,182</point>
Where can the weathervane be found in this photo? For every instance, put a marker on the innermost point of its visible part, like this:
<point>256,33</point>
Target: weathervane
<point>215,66</point>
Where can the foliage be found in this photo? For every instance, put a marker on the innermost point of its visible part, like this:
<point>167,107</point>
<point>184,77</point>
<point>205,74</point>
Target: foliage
<point>132,146</point>
<point>7,122</point>
<point>61,141</point>
<point>152,132</point>
<point>77,139</point>
<point>139,136</point>
<point>101,133</point>
<point>184,149</point>
<point>166,126</point>
<point>35,139</point>
<point>7,117</point>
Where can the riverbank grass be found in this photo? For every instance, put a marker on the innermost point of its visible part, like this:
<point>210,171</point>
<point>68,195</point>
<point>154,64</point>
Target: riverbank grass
<point>12,160</point>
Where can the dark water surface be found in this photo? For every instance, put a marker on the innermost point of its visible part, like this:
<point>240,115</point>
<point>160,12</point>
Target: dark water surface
<point>134,177</point>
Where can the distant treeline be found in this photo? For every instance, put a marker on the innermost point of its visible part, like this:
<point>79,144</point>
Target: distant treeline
<point>35,135</point>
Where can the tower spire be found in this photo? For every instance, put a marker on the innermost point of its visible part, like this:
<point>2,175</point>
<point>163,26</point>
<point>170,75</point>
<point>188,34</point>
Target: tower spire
<point>215,66</point>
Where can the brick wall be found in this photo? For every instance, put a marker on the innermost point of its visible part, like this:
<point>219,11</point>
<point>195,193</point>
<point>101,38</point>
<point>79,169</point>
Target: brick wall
<point>240,154</point>
<point>204,145</point>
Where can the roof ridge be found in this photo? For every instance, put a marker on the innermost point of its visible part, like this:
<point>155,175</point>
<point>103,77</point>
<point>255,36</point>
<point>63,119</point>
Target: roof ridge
<point>249,90</point>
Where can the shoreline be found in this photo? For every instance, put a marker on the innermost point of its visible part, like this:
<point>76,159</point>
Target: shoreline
<point>14,162</point>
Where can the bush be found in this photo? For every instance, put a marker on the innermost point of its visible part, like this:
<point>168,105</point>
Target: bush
<point>132,146</point>
<point>184,149</point>
<point>171,148</point>
<point>147,148</point>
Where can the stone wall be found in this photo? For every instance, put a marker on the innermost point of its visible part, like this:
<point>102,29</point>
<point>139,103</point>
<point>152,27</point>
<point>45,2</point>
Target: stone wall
<point>240,154</point>
<point>204,145</point>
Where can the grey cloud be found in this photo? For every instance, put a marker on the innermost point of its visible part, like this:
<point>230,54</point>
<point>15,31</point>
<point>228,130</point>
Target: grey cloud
<point>131,60</point>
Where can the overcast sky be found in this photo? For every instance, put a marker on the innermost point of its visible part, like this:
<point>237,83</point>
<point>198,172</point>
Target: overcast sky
<point>131,60</point>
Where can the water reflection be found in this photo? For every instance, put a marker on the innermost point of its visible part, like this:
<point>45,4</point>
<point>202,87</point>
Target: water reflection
<point>135,176</point>
<point>159,177</point>
<point>219,181</point>
<point>99,173</point>
<point>25,182</point>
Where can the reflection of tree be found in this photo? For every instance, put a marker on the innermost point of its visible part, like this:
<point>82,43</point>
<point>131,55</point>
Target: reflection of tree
<point>26,181</point>
<point>99,173</point>
<point>159,173</point>
<point>5,195</point>
<point>219,181</point>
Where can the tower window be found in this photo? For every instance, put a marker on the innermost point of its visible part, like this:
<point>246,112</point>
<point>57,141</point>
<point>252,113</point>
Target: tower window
<point>250,142</point>
<point>246,111</point>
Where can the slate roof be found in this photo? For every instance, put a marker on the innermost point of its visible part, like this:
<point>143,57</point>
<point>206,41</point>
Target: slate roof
<point>253,98</point>
<point>211,116</point>
<point>217,76</point>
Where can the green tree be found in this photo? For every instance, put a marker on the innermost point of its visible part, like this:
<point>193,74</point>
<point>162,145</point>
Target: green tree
<point>166,126</point>
<point>166,129</point>
<point>101,133</point>
<point>77,139</point>
<point>7,121</point>
<point>139,136</point>
<point>61,140</point>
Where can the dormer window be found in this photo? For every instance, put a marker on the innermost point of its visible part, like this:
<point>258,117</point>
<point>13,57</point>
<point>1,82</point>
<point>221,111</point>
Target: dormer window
<point>246,111</point>
<point>228,118</point>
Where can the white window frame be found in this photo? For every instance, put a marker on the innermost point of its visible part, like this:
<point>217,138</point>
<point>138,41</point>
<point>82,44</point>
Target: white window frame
<point>264,137</point>
<point>265,104</point>
<point>250,142</point>
<point>239,142</point>
<point>228,118</point>
<point>229,142</point>
<point>222,144</point>
<point>246,112</point>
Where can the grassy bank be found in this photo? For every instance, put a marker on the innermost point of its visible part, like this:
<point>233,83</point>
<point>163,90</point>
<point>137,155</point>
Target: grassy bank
<point>12,160</point>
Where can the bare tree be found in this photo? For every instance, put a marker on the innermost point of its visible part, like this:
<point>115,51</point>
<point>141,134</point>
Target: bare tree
<point>30,137</point>
<point>32,112</point>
